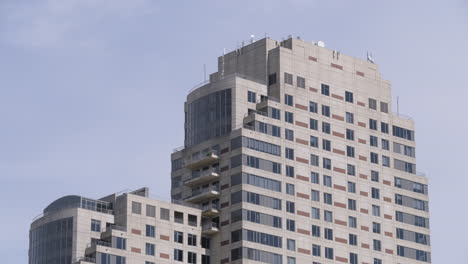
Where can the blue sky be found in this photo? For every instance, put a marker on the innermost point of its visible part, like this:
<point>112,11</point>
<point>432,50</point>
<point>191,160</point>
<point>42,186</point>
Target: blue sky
<point>92,92</point>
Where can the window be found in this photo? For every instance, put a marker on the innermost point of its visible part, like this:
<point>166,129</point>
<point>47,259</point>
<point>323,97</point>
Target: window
<point>349,134</point>
<point>351,187</point>
<point>192,240</point>
<point>313,107</point>
<point>315,231</point>
<point>291,260</point>
<point>351,170</point>
<point>150,210</point>
<point>314,142</point>
<point>376,227</point>
<point>327,163</point>
<point>349,97</point>
<point>327,198</point>
<point>120,242</point>
<point>384,127</point>
<point>290,207</point>
<point>291,244</point>
<point>150,249</point>
<point>289,171</point>
<point>325,110</point>
<point>291,225</point>
<point>350,151</point>
<point>95,225</point>
<point>205,242</point>
<point>325,89</point>
<point>276,132</point>
<point>352,221</point>
<point>383,107</point>
<point>315,213</point>
<point>289,117</point>
<point>192,220</point>
<point>375,193</point>
<point>316,250</point>
<point>251,97</point>
<point>191,257</point>
<point>349,117</point>
<point>315,195</point>
<point>374,158</point>
<point>403,133</point>
<point>313,124</point>
<point>275,113</point>
<point>326,144</point>
<point>385,161</point>
<point>377,261</point>
<point>328,216</point>
<point>404,166</point>
<point>178,237</point>
<point>385,144</point>
<point>353,258</point>
<point>327,181</point>
<point>178,254</point>
<point>375,176</point>
<point>374,141</point>
<point>353,239</point>
<point>326,127</point>
<point>290,188</point>
<point>289,153</point>
<point>352,204</point>
<point>328,253</point>
<point>372,104</point>
<point>375,210</point>
<point>164,213</point>
<point>272,79</point>
<point>377,245</point>
<point>178,217</point>
<point>314,177</point>
<point>205,259</point>
<point>136,208</point>
<point>150,231</point>
<point>373,124</point>
<point>328,233</point>
<point>289,134</point>
<point>314,160</point>
<point>288,100</point>
<point>288,78</point>
<point>300,82</point>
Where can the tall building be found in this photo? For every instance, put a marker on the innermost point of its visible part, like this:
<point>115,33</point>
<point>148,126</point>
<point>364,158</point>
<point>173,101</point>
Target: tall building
<point>298,149</point>
<point>292,154</point>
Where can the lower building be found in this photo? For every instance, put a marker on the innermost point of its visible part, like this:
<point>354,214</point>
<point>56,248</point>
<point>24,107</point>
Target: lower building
<point>121,228</point>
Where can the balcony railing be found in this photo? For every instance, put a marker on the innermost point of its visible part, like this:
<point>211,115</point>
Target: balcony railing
<point>205,190</point>
<point>199,177</point>
<point>203,194</point>
<point>210,207</point>
<point>202,160</point>
<point>209,226</point>
<point>116,227</point>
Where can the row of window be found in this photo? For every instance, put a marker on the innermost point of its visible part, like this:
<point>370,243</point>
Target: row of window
<point>256,237</point>
<point>255,144</point>
<point>164,214</point>
<point>255,162</point>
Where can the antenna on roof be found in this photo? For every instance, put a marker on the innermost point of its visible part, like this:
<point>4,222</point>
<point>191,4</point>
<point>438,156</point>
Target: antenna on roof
<point>252,38</point>
<point>370,57</point>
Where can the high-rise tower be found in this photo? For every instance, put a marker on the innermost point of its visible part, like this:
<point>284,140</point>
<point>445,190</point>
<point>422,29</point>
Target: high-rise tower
<point>295,156</point>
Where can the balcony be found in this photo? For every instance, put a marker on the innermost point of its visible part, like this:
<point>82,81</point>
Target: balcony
<point>202,177</point>
<point>94,246</point>
<point>210,210</point>
<point>203,194</point>
<point>210,228</point>
<point>113,230</point>
<point>202,161</point>
<point>266,102</point>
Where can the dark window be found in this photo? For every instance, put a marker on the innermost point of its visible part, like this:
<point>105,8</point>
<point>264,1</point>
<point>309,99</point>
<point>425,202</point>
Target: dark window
<point>272,79</point>
<point>373,124</point>
<point>326,110</point>
<point>325,89</point>
<point>288,78</point>
<point>288,100</point>
<point>300,82</point>
<point>289,117</point>
<point>251,97</point>
<point>313,107</point>
<point>349,134</point>
<point>349,97</point>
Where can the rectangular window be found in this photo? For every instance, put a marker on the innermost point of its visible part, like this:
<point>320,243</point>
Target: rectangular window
<point>328,216</point>
<point>251,97</point>
<point>316,250</point>
<point>375,193</point>
<point>384,127</point>
<point>353,239</point>
<point>313,124</point>
<point>404,166</point>
<point>315,195</point>
<point>383,107</point>
<point>315,213</point>
<point>352,221</point>
<point>288,78</point>
<point>328,233</point>
<point>327,181</point>
<point>326,144</point>
<point>289,134</point>
<point>289,153</point>
<point>350,151</point>
<point>349,97</point>
<point>314,142</point>
<point>191,258</point>
<point>352,204</point>
<point>290,207</point>
<point>349,134</point>
<point>288,100</point>
<point>351,170</point>
<point>377,245</point>
<point>136,208</point>
<point>353,258</point>
<point>150,249</point>
<point>300,82</point>
<point>349,117</point>
<point>325,89</point>
<point>290,171</point>
<point>328,253</point>
<point>385,144</point>
<point>327,163</point>
<point>150,210</point>
<point>291,225</point>
<point>377,261</point>
<point>372,104</point>
<point>375,210</point>
<point>313,107</point>
<point>375,176</point>
<point>275,113</point>
<point>164,214</point>
<point>288,117</point>
<point>326,110</point>
<point>150,231</point>
<point>374,141</point>
<point>404,149</point>
<point>351,187</point>
<point>403,133</point>
<point>326,127</point>
<point>385,161</point>
<point>291,244</point>
<point>327,198</point>
<point>178,237</point>
<point>178,217</point>
<point>95,225</point>
<point>314,177</point>
<point>272,79</point>
<point>314,160</point>
<point>191,240</point>
<point>374,157</point>
<point>178,254</point>
<point>290,189</point>
<point>373,124</point>
<point>315,231</point>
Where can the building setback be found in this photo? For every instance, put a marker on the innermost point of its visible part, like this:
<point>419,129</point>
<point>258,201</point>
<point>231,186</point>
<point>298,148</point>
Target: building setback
<point>292,154</point>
